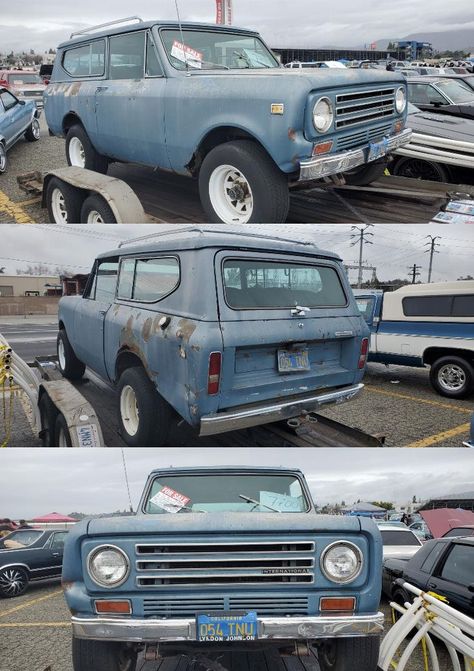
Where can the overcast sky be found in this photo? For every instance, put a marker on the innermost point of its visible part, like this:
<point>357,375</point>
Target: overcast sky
<point>395,246</point>
<point>36,482</point>
<point>30,24</point>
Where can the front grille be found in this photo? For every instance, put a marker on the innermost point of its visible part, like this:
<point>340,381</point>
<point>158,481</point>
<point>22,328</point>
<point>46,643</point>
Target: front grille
<point>260,563</point>
<point>184,606</point>
<point>363,137</point>
<point>359,107</point>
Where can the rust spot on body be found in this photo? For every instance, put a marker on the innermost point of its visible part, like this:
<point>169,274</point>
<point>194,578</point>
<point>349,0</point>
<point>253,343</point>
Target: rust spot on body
<point>146,330</point>
<point>292,134</point>
<point>185,329</point>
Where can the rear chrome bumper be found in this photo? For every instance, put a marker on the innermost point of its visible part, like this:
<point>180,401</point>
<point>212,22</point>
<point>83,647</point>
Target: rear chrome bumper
<point>184,629</point>
<point>263,413</point>
<point>332,164</point>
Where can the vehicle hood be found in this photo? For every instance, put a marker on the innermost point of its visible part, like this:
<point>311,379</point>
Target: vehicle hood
<point>442,125</point>
<point>441,520</point>
<point>233,523</point>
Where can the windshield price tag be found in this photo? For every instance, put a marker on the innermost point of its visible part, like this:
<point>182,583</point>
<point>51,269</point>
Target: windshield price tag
<point>187,54</point>
<point>170,500</point>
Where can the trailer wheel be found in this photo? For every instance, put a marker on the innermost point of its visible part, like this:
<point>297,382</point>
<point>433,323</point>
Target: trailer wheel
<point>102,656</point>
<point>452,376</point>
<point>69,364</point>
<point>33,131</point>
<point>63,202</point>
<point>144,416</point>
<point>239,184</point>
<point>80,151</point>
<point>48,413</point>
<point>95,210</point>
<point>349,654</point>
<point>3,158</point>
<point>62,436</point>
<point>366,174</point>
<point>13,581</point>
<point>421,169</point>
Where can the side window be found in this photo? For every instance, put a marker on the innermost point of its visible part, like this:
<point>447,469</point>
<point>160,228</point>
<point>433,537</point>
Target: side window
<point>463,306</point>
<point>9,101</point>
<point>105,282</point>
<point>85,61</point>
<point>432,558</point>
<point>458,566</point>
<point>127,55</point>
<point>427,306</point>
<point>125,283</point>
<point>57,541</point>
<point>153,66</point>
<point>155,278</point>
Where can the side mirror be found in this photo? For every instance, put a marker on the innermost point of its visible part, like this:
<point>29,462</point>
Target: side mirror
<point>21,102</point>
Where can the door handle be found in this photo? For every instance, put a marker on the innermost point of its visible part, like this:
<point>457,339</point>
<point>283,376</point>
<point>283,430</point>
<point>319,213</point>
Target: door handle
<point>101,88</point>
<point>432,585</point>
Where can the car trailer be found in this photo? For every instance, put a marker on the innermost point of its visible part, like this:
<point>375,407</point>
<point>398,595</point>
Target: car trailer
<point>78,195</point>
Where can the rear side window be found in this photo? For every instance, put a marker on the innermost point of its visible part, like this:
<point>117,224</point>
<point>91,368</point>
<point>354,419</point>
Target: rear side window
<point>399,538</point>
<point>432,558</point>
<point>439,306</point>
<point>127,56</point>
<point>458,566</point>
<point>85,61</point>
<point>253,284</point>
<point>148,280</point>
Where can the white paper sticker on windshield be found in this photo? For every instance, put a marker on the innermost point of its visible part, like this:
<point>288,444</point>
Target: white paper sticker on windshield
<point>280,502</point>
<point>187,54</point>
<point>170,500</point>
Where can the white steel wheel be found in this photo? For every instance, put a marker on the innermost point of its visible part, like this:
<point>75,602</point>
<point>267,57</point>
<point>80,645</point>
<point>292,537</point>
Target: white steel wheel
<point>230,195</point>
<point>77,155</point>
<point>3,158</point>
<point>94,217</point>
<point>35,129</point>
<point>61,355</point>
<point>129,410</point>
<point>452,377</point>
<point>58,207</point>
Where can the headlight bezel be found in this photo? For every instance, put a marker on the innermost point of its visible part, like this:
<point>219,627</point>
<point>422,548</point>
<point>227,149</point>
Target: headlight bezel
<point>328,127</point>
<point>359,555</point>
<point>401,90</point>
<point>101,548</point>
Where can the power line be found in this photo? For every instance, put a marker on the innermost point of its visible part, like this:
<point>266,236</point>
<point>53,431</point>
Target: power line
<point>432,251</point>
<point>361,238</point>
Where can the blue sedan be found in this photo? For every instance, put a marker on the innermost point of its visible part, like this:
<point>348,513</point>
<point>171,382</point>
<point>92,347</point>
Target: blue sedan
<point>17,118</point>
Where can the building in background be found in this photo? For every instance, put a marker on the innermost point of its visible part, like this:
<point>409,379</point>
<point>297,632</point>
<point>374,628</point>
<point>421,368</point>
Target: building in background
<point>30,285</point>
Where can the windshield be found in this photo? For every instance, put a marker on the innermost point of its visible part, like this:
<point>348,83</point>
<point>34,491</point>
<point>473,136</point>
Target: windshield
<point>399,538</point>
<point>22,78</point>
<point>20,539</point>
<point>456,91</point>
<point>217,493</point>
<point>210,50</point>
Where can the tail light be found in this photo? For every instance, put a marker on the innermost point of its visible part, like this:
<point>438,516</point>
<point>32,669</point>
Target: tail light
<point>364,348</point>
<point>214,375</point>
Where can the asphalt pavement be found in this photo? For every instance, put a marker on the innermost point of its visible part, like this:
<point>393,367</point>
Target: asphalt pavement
<point>31,338</point>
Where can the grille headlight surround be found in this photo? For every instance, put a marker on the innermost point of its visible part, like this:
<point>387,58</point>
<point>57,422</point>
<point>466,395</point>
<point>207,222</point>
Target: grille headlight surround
<point>400,100</point>
<point>108,566</point>
<point>342,562</point>
<point>323,114</point>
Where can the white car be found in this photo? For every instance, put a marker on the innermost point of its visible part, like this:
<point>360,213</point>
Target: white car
<point>398,542</point>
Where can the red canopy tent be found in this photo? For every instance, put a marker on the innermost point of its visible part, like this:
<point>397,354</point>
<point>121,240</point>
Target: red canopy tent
<point>441,520</point>
<point>54,517</point>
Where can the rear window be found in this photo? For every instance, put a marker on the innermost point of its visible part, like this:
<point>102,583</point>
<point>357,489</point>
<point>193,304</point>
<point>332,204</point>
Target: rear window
<point>366,307</point>
<point>399,538</point>
<point>253,284</point>
<point>458,532</point>
<point>85,61</point>
<point>24,78</point>
<point>148,280</point>
<point>439,306</point>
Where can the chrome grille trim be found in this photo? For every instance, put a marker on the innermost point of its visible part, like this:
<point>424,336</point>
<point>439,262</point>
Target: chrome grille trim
<point>359,107</point>
<point>264,605</point>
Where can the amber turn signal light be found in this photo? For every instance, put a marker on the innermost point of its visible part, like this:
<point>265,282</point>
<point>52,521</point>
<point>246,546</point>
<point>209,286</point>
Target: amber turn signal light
<point>339,604</point>
<point>322,148</point>
<point>114,607</point>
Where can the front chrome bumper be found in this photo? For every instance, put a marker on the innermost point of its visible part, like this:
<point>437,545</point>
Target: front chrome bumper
<point>332,164</point>
<point>184,629</point>
<point>263,413</point>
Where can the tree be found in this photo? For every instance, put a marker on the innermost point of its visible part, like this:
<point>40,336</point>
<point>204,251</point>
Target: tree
<point>387,505</point>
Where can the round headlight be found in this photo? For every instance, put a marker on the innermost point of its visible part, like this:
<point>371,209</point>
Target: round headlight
<point>400,100</point>
<point>108,566</point>
<point>342,562</point>
<point>323,115</point>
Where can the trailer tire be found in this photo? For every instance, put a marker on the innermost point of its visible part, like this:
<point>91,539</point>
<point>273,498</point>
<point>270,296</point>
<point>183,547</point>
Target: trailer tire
<point>3,158</point>
<point>102,656</point>
<point>62,435</point>
<point>452,376</point>
<point>8,577</point>
<point>366,174</point>
<point>349,654</point>
<point>69,365</point>
<point>33,131</point>
<point>244,168</point>
<point>416,168</point>
<point>81,153</point>
<point>63,202</point>
<point>144,416</point>
<point>48,413</point>
<point>95,210</point>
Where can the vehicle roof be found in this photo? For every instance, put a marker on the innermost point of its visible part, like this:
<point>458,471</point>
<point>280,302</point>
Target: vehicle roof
<point>389,527</point>
<point>236,469</point>
<point>145,25</point>
<point>198,237</point>
<point>461,287</point>
<point>432,79</point>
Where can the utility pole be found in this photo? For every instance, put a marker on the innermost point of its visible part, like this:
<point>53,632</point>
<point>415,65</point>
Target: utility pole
<point>414,272</point>
<point>432,250</point>
<point>361,238</point>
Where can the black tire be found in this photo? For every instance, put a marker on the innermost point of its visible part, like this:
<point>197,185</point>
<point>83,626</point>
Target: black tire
<point>93,160</point>
<point>349,654</point>
<point>3,158</point>
<point>421,169</point>
<point>153,413</point>
<point>33,131</point>
<point>13,582</point>
<point>460,378</point>
<point>48,413</point>
<point>62,437</point>
<point>269,186</point>
<point>96,204</point>
<point>400,597</point>
<point>366,174</point>
<point>69,365</point>
<point>66,208</point>
<point>102,656</point>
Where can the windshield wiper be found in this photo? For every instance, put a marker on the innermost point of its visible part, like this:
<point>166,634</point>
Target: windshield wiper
<point>191,510</point>
<point>217,65</point>
<point>247,498</point>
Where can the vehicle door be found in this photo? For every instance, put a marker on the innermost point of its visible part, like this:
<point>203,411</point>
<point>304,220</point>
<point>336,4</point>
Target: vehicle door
<point>453,576</point>
<point>46,562</point>
<point>12,117</point>
<point>289,326</point>
<point>129,104</point>
<point>90,313</point>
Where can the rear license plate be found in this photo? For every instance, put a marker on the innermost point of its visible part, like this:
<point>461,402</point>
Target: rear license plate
<point>377,149</point>
<point>227,627</point>
<point>293,360</point>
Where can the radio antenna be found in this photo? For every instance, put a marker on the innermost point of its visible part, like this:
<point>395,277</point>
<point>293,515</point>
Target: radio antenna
<point>181,34</point>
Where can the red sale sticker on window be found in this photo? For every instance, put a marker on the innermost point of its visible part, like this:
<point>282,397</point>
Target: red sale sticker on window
<point>170,500</point>
<point>187,54</point>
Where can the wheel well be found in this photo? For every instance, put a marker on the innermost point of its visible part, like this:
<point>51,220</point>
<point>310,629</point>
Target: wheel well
<point>126,359</point>
<point>61,325</point>
<point>214,138</point>
<point>431,354</point>
<point>69,120</point>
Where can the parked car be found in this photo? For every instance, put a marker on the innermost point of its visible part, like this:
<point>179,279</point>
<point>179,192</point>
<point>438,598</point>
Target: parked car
<point>466,78</point>
<point>221,109</point>
<point>28,555</point>
<point>425,325</point>
<point>422,530</point>
<point>441,94</point>
<point>443,566</point>
<point>315,64</point>
<point>441,148</point>
<point>18,118</point>
<point>456,532</point>
<point>398,542</point>
<point>24,84</point>
<point>233,557</point>
<point>228,329</point>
